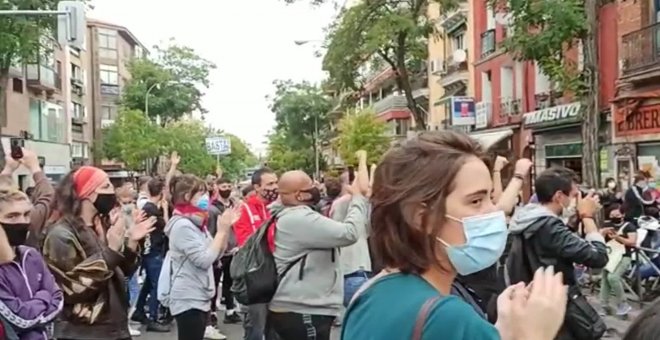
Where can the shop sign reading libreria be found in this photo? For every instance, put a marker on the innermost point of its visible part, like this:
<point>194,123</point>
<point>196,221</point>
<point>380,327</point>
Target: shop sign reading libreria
<point>644,120</point>
<point>553,116</point>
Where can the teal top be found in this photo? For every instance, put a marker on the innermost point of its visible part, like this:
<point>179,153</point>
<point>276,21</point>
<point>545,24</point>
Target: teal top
<point>388,310</point>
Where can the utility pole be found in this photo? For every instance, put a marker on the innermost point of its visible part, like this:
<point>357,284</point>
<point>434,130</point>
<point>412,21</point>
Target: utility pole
<point>316,148</point>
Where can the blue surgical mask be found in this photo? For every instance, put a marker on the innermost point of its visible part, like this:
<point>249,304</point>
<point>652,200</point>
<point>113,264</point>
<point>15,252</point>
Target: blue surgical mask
<point>485,239</point>
<point>203,202</point>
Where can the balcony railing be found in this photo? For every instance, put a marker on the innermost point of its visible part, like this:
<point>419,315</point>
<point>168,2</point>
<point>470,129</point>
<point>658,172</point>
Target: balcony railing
<point>641,49</point>
<point>452,65</point>
<point>390,102</point>
<point>487,43</point>
<point>109,89</point>
<point>453,18</point>
<point>40,77</point>
<point>106,123</point>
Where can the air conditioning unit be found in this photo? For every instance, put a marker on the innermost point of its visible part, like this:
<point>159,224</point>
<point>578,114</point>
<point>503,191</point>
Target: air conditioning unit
<point>439,67</point>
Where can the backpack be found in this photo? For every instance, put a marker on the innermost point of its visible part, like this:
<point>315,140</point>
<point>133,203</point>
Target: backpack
<point>253,269</point>
<point>581,320</point>
<point>165,278</point>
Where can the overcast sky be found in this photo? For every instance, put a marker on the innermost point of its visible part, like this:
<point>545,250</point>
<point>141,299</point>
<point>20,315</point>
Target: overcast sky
<point>251,41</point>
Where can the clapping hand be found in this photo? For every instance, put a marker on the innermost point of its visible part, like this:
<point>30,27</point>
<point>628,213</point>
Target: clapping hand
<point>142,228</point>
<point>229,217</point>
<point>115,234</point>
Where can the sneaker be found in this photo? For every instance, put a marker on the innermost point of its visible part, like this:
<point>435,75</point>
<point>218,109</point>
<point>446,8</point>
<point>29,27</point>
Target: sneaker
<point>134,332</point>
<point>623,309</point>
<point>605,311</point>
<point>232,317</point>
<point>213,334</point>
<point>139,317</point>
<point>156,327</point>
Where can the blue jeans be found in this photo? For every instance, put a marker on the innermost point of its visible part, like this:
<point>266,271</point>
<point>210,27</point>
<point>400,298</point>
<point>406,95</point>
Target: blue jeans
<point>353,282</point>
<point>133,289</point>
<point>151,263</point>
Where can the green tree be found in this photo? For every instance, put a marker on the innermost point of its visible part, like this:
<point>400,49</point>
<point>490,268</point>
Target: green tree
<point>362,131</point>
<point>542,32</point>
<point>177,77</point>
<point>131,139</point>
<point>283,157</point>
<point>379,33</point>
<point>301,126</point>
<point>21,42</point>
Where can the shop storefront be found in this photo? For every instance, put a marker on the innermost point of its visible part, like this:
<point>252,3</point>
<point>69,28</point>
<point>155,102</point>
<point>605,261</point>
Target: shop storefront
<point>637,137</point>
<point>556,136</point>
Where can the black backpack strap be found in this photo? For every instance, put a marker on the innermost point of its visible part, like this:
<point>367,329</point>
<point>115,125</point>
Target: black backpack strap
<point>293,263</point>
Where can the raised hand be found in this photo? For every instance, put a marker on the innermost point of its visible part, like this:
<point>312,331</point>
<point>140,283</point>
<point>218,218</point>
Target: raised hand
<point>229,217</point>
<point>115,235</point>
<point>142,229</point>
<point>175,159</point>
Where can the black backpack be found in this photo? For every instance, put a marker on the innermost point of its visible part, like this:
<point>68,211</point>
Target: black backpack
<point>253,269</point>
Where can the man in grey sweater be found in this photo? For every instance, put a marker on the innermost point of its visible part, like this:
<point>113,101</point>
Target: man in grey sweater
<point>310,295</point>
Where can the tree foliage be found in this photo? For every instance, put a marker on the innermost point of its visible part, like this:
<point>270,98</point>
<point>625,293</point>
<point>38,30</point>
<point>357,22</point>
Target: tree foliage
<point>381,33</point>
<point>177,77</point>
<point>362,131</point>
<point>301,112</point>
<point>21,42</point>
<point>542,32</point>
<point>133,139</point>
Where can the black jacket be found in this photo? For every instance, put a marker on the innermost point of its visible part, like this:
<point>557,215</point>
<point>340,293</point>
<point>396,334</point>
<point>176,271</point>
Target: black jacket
<point>541,239</point>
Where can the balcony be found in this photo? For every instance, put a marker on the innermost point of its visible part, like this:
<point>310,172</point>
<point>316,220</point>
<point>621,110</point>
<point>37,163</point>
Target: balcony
<point>641,51</point>
<point>109,89</point>
<point>16,71</point>
<point>106,123</point>
<point>393,101</point>
<point>455,70</point>
<point>487,43</point>
<point>510,107</point>
<point>454,18</point>
<point>41,78</point>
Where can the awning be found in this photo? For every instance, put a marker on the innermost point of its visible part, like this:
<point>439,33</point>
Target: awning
<point>451,93</point>
<point>489,138</point>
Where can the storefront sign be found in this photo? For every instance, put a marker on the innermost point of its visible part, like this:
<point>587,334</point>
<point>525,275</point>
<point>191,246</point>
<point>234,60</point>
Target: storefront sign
<point>462,111</point>
<point>645,120</point>
<point>482,115</point>
<point>556,115</point>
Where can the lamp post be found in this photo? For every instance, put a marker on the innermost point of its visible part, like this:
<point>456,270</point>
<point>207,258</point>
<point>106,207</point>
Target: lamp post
<point>146,95</point>
<point>316,147</point>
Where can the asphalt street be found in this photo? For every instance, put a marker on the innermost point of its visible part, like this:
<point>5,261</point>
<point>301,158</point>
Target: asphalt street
<point>235,332</point>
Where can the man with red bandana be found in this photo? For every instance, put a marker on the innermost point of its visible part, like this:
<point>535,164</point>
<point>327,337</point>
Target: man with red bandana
<point>254,212</point>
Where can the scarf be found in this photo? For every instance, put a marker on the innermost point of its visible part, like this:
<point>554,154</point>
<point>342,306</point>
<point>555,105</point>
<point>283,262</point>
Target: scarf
<point>196,215</point>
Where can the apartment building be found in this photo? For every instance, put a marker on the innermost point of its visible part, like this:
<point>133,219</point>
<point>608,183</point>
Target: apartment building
<point>636,121</point>
<point>519,109</point>
<point>39,109</point>
<point>110,48</point>
<point>450,68</point>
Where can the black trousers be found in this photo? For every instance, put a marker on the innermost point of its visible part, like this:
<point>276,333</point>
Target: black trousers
<point>191,324</point>
<point>227,295</point>
<point>294,326</point>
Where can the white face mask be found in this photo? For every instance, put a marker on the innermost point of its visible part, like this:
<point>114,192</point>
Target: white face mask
<point>569,210</point>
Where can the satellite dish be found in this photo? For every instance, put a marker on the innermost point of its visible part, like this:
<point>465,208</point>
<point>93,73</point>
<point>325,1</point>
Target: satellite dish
<point>459,56</point>
<point>502,18</point>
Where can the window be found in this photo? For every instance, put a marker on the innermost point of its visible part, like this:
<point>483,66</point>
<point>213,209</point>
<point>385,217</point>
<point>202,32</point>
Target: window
<point>139,52</point>
<point>458,41</point>
<point>542,82</point>
<point>490,18</point>
<point>17,85</point>
<point>400,127</point>
<point>486,87</point>
<point>108,74</point>
<point>108,112</point>
<point>79,150</point>
<point>107,43</point>
<point>76,72</point>
<point>506,83</point>
<point>78,110</point>
<point>47,121</point>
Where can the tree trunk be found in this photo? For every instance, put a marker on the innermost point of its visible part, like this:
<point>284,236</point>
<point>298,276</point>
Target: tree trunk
<point>404,83</point>
<point>590,101</point>
<point>4,82</point>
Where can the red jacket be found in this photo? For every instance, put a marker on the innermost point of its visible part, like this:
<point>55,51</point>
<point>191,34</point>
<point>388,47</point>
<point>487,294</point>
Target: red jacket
<point>253,214</point>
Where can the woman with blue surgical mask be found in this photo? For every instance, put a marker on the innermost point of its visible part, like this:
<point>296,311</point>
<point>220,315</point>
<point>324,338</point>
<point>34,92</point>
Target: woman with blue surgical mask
<point>433,219</point>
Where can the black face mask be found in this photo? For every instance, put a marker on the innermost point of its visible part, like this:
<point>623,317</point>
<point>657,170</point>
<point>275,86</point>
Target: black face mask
<point>315,194</point>
<point>224,193</point>
<point>16,233</point>
<point>270,195</point>
<point>104,203</point>
<point>616,220</point>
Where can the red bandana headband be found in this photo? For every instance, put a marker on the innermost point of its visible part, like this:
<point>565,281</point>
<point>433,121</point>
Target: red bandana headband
<point>87,179</point>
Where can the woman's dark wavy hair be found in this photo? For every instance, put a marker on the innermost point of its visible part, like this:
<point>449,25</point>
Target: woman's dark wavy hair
<point>419,171</point>
<point>67,206</point>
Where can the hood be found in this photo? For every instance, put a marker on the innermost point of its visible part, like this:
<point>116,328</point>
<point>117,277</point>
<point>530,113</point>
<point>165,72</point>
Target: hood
<point>526,215</point>
<point>275,207</point>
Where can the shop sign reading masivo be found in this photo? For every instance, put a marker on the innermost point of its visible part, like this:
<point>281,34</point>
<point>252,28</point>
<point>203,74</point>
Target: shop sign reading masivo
<point>556,115</point>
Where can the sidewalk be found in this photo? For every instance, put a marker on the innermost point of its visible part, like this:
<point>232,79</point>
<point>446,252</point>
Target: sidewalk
<point>616,326</point>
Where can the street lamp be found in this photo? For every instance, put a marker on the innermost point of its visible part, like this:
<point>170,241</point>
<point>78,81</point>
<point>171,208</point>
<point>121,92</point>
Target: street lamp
<point>146,95</point>
<point>316,147</point>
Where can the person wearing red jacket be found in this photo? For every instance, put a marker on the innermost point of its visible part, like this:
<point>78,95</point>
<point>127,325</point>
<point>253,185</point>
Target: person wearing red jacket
<point>254,212</point>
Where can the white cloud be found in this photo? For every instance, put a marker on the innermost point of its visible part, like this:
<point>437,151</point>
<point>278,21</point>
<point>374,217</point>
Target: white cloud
<point>251,41</point>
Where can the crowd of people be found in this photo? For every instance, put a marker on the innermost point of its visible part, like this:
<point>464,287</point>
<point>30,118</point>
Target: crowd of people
<point>427,244</point>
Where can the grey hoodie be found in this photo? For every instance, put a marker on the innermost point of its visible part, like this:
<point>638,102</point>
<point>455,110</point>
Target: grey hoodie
<point>302,231</point>
<point>192,265</point>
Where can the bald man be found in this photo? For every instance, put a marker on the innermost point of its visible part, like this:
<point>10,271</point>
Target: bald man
<point>306,241</point>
